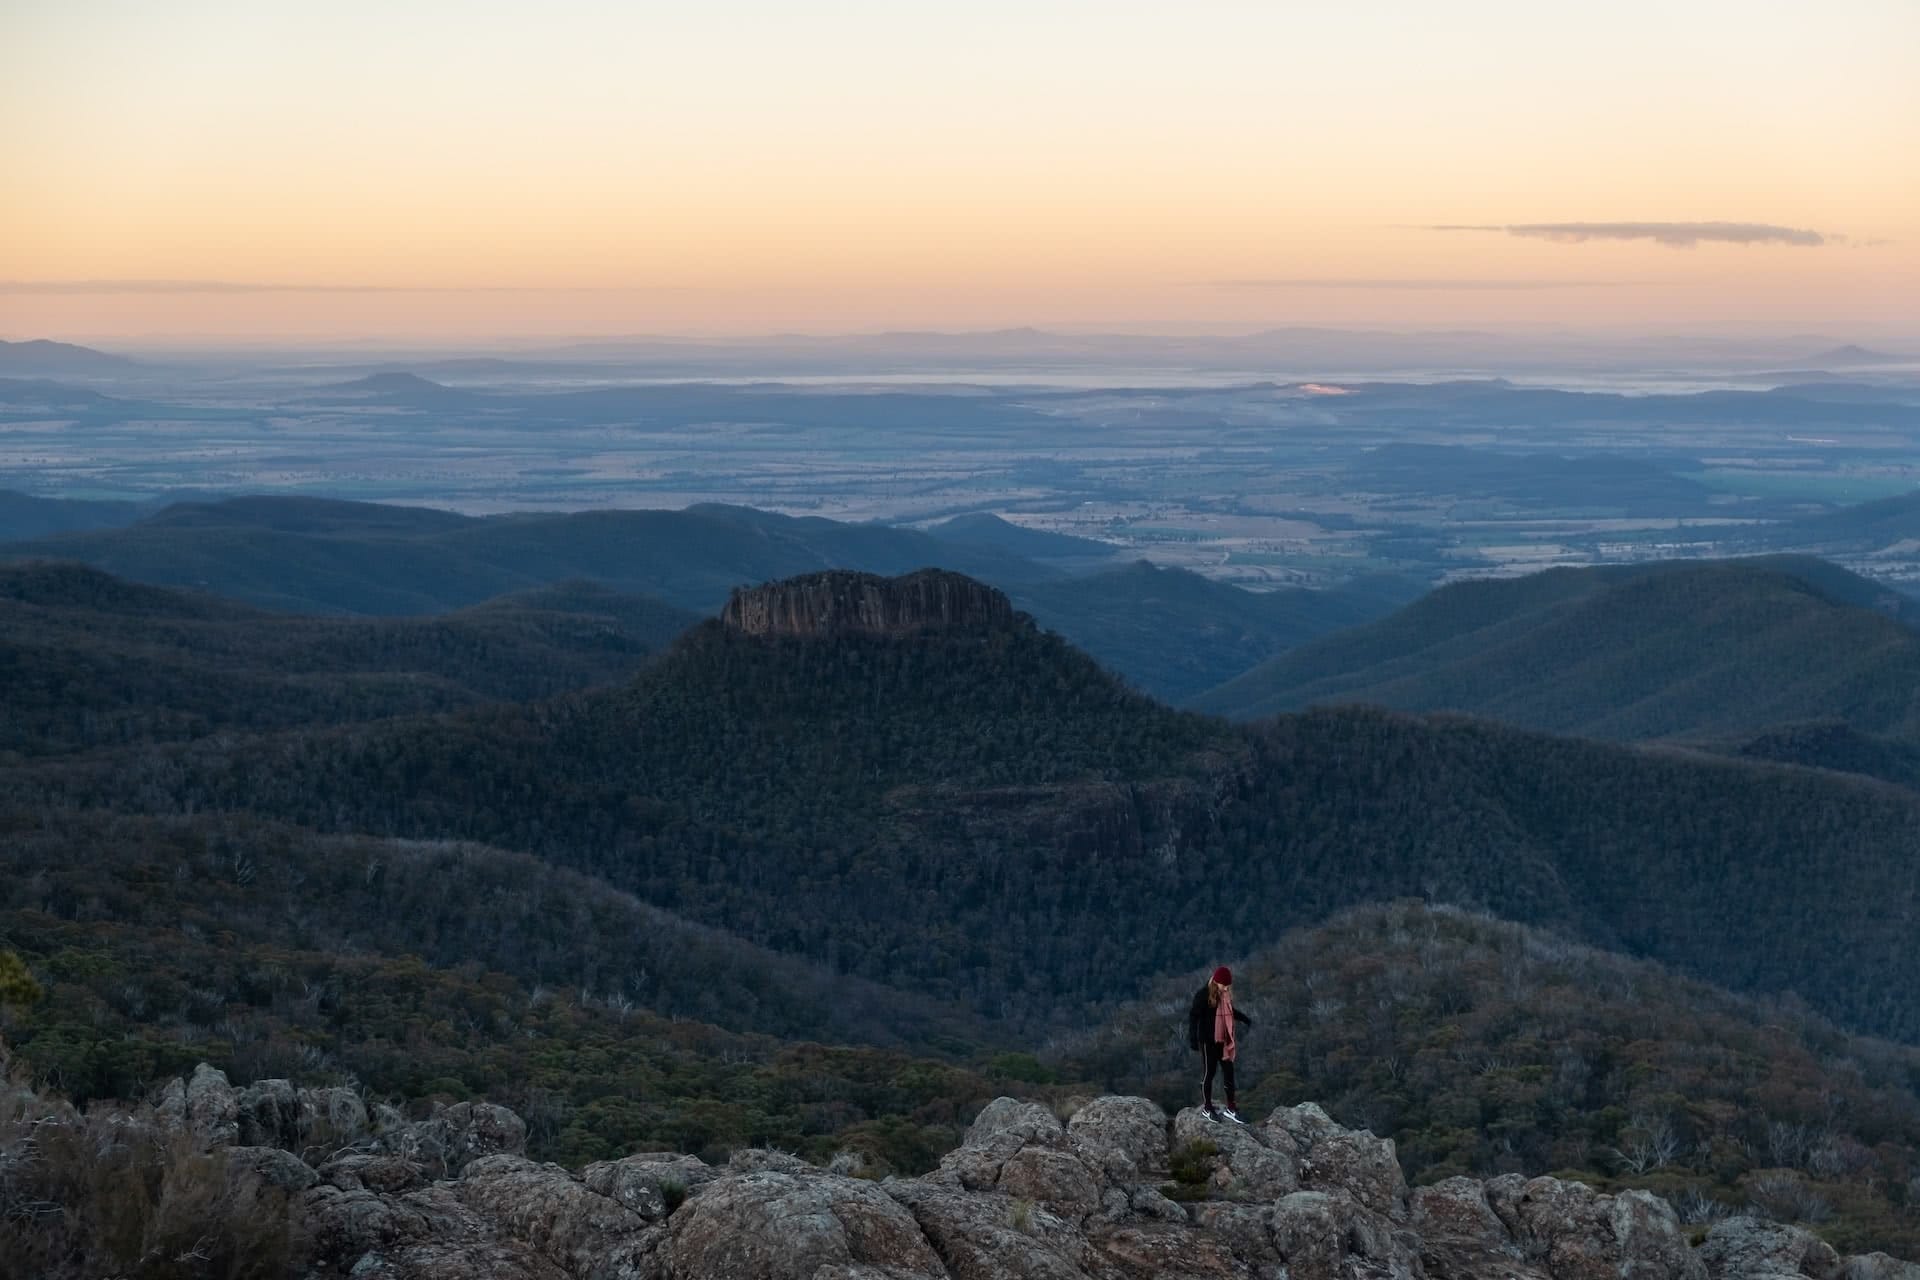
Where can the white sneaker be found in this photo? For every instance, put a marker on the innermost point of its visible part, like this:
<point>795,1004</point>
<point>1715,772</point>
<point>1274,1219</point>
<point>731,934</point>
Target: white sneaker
<point>1211,1113</point>
<point>1232,1115</point>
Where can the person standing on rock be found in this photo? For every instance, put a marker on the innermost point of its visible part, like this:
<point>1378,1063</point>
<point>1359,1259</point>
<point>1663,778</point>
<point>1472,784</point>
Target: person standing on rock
<point>1210,1029</point>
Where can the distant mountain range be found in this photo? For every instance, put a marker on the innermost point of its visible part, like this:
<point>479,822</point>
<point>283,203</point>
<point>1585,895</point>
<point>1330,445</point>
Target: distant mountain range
<point>1171,632</point>
<point>39,357</point>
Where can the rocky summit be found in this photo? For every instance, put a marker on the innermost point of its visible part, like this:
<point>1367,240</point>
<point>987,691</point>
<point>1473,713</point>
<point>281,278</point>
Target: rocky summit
<point>841,602</point>
<point>1116,1192</point>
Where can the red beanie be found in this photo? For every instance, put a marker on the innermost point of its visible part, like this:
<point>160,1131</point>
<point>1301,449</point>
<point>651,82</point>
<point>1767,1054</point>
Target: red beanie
<point>1223,976</point>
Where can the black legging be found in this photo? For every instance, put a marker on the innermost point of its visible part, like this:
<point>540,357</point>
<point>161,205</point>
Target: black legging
<point>1211,1051</point>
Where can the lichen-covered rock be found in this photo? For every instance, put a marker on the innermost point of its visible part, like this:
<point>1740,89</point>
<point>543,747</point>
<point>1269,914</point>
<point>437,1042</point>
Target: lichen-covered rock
<point>1022,1198</point>
<point>422,1233</point>
<point>1148,1202</point>
<point>1328,1235</point>
<point>1164,1253</point>
<point>1878,1266</point>
<point>1332,1158</point>
<point>1581,1235</point>
<point>782,1226</point>
<point>211,1112</point>
<point>992,1236</point>
<point>1302,1127</point>
<point>331,1118</point>
<point>1010,1117</point>
<point>387,1174</point>
<point>1052,1178</point>
<point>268,1112</point>
<point>1739,1248</point>
<point>454,1137</point>
<point>1246,1165</point>
<point>647,1181</point>
<point>270,1165</point>
<point>1004,1129</point>
<point>591,1236</point>
<point>1124,1140</point>
<point>1245,1231</point>
<point>1461,1238</point>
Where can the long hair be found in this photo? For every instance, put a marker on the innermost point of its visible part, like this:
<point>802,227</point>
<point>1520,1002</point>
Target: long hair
<point>1213,993</point>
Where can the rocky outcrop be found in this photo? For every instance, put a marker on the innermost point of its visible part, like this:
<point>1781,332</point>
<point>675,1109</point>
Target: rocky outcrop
<point>1118,1192</point>
<point>840,602</point>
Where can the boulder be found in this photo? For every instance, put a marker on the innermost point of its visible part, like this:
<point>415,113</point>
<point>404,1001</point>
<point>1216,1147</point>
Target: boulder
<point>1581,1235</point>
<point>645,1182</point>
<point>268,1112</point>
<point>1461,1238</point>
<point>1739,1248</point>
<point>211,1112</point>
<point>1333,1158</point>
<point>330,1119</point>
<point>1052,1178</point>
<point>1879,1266</point>
<point>1246,1166</point>
<point>771,1225</point>
<point>590,1236</point>
<point>1012,1118</point>
<point>1123,1140</point>
<point>1166,1253</point>
<point>386,1174</point>
<point>270,1166</point>
<point>454,1137</point>
<point>1025,1142</point>
<point>1329,1235</point>
<point>992,1236</point>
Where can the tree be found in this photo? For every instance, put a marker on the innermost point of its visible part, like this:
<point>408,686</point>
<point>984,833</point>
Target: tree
<point>17,986</point>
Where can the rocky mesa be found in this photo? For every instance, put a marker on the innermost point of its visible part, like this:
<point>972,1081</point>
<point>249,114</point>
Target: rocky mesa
<point>1119,1191</point>
<point>840,602</point>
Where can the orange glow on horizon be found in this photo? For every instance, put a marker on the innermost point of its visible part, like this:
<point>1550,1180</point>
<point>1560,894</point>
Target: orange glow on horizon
<point>592,168</point>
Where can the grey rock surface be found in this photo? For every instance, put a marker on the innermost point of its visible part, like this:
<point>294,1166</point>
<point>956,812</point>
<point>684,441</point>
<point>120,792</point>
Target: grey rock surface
<point>1024,1197</point>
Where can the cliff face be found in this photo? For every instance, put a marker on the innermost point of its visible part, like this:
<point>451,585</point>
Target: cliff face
<point>840,602</point>
<point>1117,1192</point>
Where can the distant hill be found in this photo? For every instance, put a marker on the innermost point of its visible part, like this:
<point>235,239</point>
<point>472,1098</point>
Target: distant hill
<point>314,555</point>
<point>981,814</point>
<point>1850,354</point>
<point>983,529</point>
<point>404,389</point>
<point>40,357</point>
<point>26,515</point>
<point>1678,649</point>
<point>94,661</point>
<point>1175,634</point>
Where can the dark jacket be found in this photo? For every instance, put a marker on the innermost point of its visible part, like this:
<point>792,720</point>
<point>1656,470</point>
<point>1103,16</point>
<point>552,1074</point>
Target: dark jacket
<point>1200,1020</point>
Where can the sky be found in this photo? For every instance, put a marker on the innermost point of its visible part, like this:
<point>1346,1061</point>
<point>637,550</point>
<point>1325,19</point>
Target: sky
<point>464,168</point>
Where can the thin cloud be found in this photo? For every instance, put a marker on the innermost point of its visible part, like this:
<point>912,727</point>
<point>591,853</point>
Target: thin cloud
<point>1675,235</point>
<point>1370,282</point>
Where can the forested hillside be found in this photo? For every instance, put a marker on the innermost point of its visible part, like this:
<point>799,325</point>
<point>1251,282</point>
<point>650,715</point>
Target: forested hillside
<point>1702,650</point>
<point>94,661</point>
<point>1483,1048</point>
<point>983,815</point>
